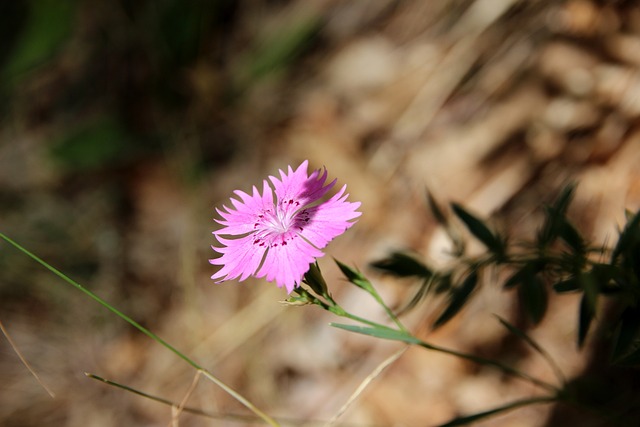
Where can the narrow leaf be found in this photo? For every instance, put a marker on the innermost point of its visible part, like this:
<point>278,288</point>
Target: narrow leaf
<point>555,216</point>
<point>436,210</point>
<point>570,235</point>
<point>142,329</point>
<point>442,283</point>
<point>425,287</point>
<point>526,338</point>
<point>47,29</point>
<point>457,299</point>
<point>314,279</point>
<point>516,278</point>
<point>355,277</point>
<point>461,421</point>
<point>628,331</point>
<point>630,236</point>
<point>533,296</point>
<point>379,332</point>
<point>402,265</point>
<point>585,316</point>
<point>568,285</point>
<point>591,288</point>
<point>479,230</point>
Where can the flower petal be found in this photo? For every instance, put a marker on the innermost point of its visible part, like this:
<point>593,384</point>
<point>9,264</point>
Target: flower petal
<point>286,264</point>
<point>243,219</point>
<point>330,219</point>
<point>279,239</point>
<point>300,187</point>
<point>240,258</point>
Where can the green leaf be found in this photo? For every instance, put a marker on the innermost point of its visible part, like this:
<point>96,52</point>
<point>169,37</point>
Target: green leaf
<point>314,279</point>
<point>520,334</point>
<point>458,297</point>
<point>527,272</point>
<point>145,331</point>
<point>442,219</point>
<point>585,317</point>
<point>442,283</point>
<point>47,28</point>
<point>533,296</point>
<point>93,145</point>
<point>423,291</point>
<point>568,233</point>
<point>628,331</point>
<point>591,288</point>
<point>541,351</point>
<point>629,237</point>
<point>604,276</point>
<point>465,420</point>
<point>480,230</point>
<point>436,210</point>
<point>564,200</point>
<point>516,278</point>
<point>379,332</point>
<point>555,216</point>
<point>276,50</point>
<point>355,277</point>
<point>402,265</point>
<point>569,285</point>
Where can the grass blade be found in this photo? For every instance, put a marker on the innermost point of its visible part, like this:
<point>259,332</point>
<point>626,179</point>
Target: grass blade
<point>526,338</point>
<point>144,330</point>
<point>460,421</point>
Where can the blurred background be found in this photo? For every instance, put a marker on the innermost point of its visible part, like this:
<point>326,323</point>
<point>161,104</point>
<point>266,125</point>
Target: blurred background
<point>124,123</point>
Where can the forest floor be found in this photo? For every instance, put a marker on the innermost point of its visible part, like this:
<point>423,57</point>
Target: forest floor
<point>116,150</point>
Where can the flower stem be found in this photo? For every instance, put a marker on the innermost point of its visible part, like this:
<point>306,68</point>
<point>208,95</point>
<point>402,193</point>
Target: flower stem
<point>144,330</point>
<point>387,310</point>
<point>339,311</point>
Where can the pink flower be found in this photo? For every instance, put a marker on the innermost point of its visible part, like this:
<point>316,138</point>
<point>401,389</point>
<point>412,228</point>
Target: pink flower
<point>280,238</point>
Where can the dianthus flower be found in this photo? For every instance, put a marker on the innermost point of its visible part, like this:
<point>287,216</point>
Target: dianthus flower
<point>279,238</point>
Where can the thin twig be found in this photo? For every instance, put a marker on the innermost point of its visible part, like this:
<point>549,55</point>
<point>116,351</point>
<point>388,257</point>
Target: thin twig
<point>267,419</point>
<point>24,361</point>
<point>363,385</point>
<point>176,411</point>
<point>228,416</point>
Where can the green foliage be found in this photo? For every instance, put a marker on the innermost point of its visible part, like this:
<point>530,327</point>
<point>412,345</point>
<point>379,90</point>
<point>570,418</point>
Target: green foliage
<point>278,49</point>
<point>403,265</point>
<point>355,277</point>
<point>93,145</point>
<point>379,332</point>
<point>441,218</point>
<point>560,260</point>
<point>555,215</point>
<point>93,296</point>
<point>627,350</point>
<point>533,297</point>
<point>316,282</point>
<point>494,242</point>
<point>458,297</point>
<point>466,420</point>
<point>47,27</point>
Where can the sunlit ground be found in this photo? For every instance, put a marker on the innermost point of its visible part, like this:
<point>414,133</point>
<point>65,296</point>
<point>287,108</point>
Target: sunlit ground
<point>125,124</point>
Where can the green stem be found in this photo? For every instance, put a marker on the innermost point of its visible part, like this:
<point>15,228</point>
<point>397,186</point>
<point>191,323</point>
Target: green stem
<point>490,362</point>
<point>144,330</point>
<point>339,311</point>
<point>387,310</point>
<point>465,420</point>
<point>196,411</point>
